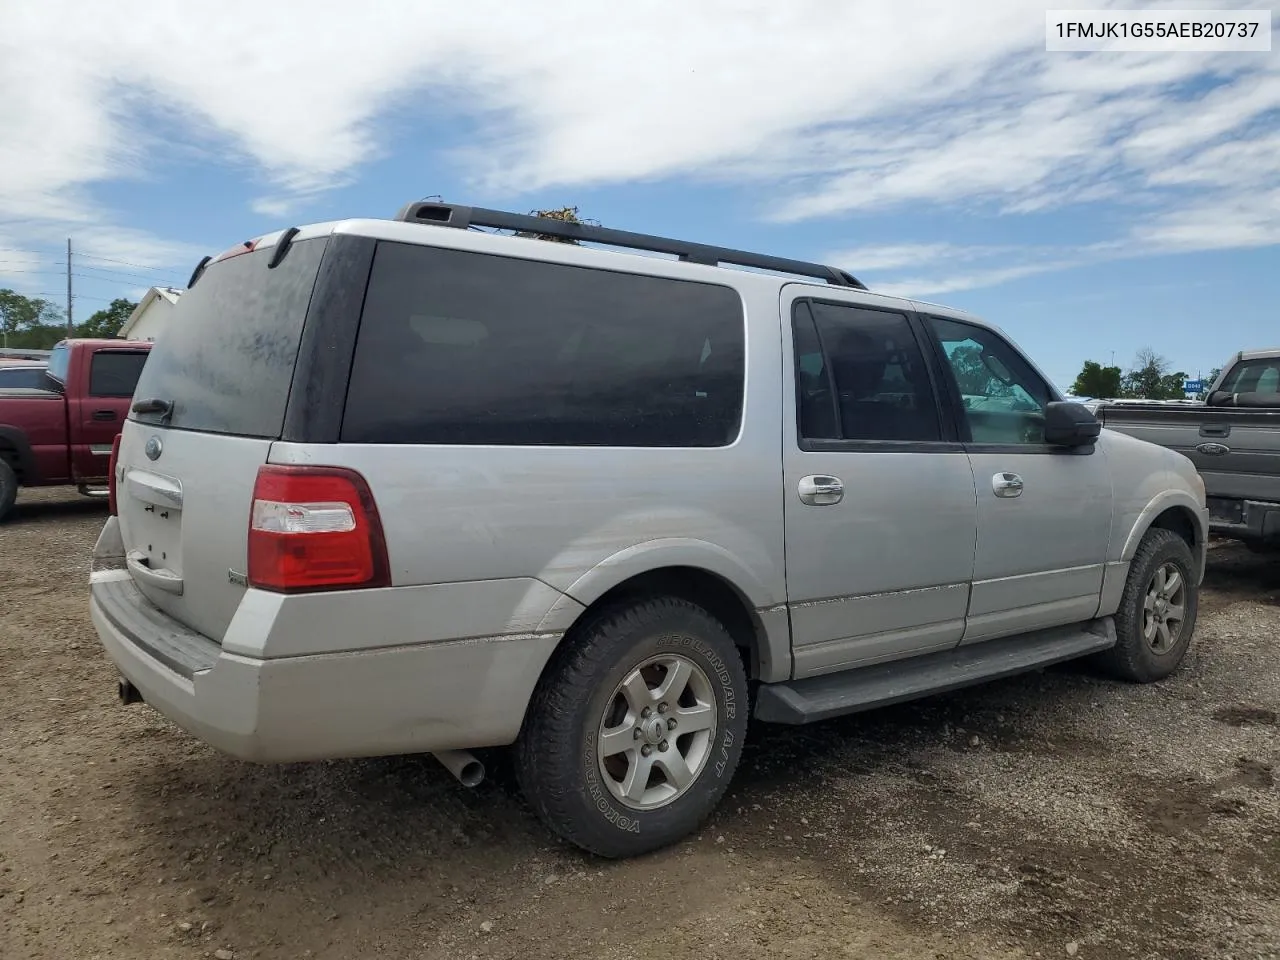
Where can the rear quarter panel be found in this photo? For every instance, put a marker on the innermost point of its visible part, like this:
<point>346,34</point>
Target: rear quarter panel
<point>581,520</point>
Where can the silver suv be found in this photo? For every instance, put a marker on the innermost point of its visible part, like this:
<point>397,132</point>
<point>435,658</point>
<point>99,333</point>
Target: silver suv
<point>392,486</point>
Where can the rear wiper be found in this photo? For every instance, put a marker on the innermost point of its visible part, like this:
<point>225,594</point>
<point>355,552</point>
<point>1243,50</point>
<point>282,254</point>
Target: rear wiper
<point>282,247</point>
<point>154,405</point>
<point>195,274</point>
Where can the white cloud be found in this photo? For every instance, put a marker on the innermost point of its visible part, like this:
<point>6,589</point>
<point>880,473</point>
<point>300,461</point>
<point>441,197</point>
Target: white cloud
<point>837,108</point>
<point>271,206</point>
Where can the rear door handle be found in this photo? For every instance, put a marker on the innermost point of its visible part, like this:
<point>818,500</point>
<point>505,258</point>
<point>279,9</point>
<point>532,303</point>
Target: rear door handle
<point>1006,485</point>
<point>820,490</point>
<point>104,414</point>
<point>1215,429</point>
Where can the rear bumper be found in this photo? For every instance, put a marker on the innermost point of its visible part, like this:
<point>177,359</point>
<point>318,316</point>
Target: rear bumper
<point>1253,521</point>
<point>409,699</point>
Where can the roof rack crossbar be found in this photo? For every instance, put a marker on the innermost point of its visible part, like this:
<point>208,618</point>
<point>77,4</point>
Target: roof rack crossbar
<point>461,217</point>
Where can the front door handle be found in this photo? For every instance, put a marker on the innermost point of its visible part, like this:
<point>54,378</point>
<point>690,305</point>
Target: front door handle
<point>1006,485</point>
<point>104,414</point>
<point>820,490</point>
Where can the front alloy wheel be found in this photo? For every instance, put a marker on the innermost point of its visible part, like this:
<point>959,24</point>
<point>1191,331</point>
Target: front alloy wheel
<point>1164,611</point>
<point>1157,613</point>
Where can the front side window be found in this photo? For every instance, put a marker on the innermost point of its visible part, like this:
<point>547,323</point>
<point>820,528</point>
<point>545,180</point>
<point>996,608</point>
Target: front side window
<point>1004,399</point>
<point>464,348</point>
<point>861,375</point>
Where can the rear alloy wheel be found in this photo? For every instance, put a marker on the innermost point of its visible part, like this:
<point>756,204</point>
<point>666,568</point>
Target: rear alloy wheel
<point>8,488</point>
<point>657,731</point>
<point>635,732</point>
<point>1157,614</point>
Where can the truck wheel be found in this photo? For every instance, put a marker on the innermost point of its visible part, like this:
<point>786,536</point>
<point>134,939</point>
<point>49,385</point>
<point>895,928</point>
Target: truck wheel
<point>633,735</point>
<point>1157,612</point>
<point>8,488</point>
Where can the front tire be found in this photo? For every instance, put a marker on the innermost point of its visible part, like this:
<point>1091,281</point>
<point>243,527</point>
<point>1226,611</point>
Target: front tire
<point>633,736</point>
<point>1157,614</point>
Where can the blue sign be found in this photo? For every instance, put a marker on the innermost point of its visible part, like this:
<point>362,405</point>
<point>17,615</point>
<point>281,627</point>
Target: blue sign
<point>1193,386</point>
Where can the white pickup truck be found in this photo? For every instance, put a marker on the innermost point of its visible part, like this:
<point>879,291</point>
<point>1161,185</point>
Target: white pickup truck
<point>1233,438</point>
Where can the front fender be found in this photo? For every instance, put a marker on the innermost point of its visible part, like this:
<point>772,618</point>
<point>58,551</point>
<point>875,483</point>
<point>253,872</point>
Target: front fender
<point>1159,504</point>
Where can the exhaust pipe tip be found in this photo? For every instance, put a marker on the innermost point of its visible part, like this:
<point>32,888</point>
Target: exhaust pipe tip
<point>128,693</point>
<point>463,764</point>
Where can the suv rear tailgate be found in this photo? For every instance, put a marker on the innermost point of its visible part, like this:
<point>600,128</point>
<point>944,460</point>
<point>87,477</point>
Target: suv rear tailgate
<point>209,404</point>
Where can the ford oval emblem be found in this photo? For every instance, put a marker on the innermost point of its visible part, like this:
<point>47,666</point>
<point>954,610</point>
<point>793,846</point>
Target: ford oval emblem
<point>153,448</point>
<point>1213,449</point>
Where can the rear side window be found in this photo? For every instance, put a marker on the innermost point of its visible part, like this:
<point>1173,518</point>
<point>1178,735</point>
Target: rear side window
<point>226,358</point>
<point>465,348</point>
<point>114,373</point>
<point>861,375</point>
<point>1254,376</point>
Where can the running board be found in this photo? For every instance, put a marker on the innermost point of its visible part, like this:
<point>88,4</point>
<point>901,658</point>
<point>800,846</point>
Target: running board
<point>835,694</point>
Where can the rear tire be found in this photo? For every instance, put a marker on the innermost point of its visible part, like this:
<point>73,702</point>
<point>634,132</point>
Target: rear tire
<point>633,735</point>
<point>8,488</point>
<point>1157,614</point>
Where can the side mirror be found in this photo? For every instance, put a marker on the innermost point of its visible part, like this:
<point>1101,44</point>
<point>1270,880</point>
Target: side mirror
<point>1068,424</point>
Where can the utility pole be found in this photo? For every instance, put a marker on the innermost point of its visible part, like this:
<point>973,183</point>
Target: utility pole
<point>70,325</point>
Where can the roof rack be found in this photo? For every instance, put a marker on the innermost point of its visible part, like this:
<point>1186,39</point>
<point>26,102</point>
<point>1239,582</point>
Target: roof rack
<point>453,215</point>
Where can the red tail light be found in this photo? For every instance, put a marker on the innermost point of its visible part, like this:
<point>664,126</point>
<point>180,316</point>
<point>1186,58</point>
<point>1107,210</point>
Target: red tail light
<point>315,528</point>
<point>111,476</point>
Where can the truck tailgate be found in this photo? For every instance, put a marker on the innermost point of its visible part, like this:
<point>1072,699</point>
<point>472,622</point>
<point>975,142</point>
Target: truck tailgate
<point>1237,451</point>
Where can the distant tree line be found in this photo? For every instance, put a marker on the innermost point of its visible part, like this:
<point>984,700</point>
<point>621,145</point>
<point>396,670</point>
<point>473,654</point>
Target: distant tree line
<point>36,324</point>
<point>1150,378</point>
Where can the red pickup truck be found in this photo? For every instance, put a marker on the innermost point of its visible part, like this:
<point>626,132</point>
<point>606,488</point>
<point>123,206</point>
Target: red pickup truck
<point>60,433</point>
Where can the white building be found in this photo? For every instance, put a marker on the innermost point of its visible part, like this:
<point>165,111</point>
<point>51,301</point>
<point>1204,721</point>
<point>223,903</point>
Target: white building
<point>150,316</point>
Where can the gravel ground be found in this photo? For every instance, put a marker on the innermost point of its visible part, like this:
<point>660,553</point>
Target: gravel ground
<point>1058,814</point>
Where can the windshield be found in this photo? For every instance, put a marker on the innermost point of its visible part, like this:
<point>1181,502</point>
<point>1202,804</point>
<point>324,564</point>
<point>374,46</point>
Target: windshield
<point>226,358</point>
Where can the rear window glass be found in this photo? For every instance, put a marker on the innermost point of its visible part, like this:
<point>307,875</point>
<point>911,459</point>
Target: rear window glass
<point>59,363</point>
<point>29,378</point>
<point>114,373</point>
<point>465,348</point>
<point>225,359</point>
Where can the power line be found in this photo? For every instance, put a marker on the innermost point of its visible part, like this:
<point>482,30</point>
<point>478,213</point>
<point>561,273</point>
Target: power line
<point>125,263</point>
<point>54,296</point>
<point>82,276</point>
<point>154,279</point>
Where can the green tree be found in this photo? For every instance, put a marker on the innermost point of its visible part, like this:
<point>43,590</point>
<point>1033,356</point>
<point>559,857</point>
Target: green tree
<point>106,323</point>
<point>1151,379</point>
<point>1095,380</point>
<point>22,319</point>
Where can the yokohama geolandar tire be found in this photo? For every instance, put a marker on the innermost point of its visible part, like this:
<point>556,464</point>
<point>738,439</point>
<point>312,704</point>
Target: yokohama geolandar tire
<point>635,731</point>
<point>8,489</point>
<point>1157,614</point>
